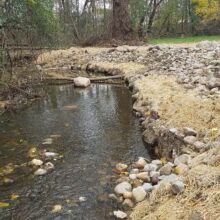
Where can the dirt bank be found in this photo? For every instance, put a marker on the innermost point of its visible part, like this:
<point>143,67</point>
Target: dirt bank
<point>176,95</point>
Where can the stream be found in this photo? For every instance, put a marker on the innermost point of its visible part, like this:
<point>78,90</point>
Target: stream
<point>95,130</point>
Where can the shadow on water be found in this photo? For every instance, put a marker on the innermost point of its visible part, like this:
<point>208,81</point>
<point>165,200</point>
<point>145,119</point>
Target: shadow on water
<point>97,131</point>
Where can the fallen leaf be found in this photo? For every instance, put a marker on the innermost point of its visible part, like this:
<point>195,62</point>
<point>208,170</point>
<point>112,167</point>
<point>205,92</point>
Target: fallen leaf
<point>82,199</point>
<point>14,197</point>
<point>4,204</point>
<point>125,173</point>
<point>32,152</point>
<point>47,141</point>
<point>57,208</point>
<point>177,170</point>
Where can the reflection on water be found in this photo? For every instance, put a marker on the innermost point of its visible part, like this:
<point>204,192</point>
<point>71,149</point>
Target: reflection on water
<point>97,130</point>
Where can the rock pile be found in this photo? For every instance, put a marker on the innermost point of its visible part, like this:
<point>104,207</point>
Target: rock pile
<point>138,180</point>
<point>196,66</point>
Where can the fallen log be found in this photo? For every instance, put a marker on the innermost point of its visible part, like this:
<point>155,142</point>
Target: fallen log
<point>95,79</point>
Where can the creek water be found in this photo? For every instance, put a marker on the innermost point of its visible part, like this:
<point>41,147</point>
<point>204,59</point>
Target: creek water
<point>98,132</point>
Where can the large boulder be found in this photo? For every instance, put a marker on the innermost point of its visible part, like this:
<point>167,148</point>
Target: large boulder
<point>81,82</point>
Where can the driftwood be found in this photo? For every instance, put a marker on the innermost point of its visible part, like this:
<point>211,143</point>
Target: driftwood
<point>106,78</point>
<point>95,79</point>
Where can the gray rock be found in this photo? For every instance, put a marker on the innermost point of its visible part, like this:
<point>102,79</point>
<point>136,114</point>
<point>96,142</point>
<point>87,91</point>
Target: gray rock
<point>139,194</point>
<point>195,216</point>
<point>134,171</point>
<point>123,187</point>
<point>169,179</point>
<point>184,158</point>
<point>147,187</point>
<point>150,167</point>
<point>173,130</point>
<point>166,169</point>
<point>190,140</point>
<point>199,145</point>
<point>154,177</point>
<point>113,197</point>
<point>133,176</point>
<point>156,162</point>
<point>189,132</point>
<point>177,187</point>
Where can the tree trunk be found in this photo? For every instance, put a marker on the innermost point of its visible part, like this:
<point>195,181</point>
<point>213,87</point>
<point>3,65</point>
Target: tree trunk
<point>156,4</point>
<point>121,27</point>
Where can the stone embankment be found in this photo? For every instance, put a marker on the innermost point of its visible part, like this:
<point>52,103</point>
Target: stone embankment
<point>176,94</point>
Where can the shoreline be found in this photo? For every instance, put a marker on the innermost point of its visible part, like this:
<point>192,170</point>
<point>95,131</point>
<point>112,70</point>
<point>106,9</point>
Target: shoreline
<point>175,93</point>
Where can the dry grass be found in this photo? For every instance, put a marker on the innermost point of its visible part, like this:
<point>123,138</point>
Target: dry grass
<point>201,195</point>
<point>177,106</point>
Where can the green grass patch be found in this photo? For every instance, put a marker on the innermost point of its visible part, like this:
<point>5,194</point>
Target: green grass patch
<point>181,40</point>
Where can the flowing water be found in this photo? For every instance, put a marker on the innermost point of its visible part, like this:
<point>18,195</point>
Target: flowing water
<point>97,130</point>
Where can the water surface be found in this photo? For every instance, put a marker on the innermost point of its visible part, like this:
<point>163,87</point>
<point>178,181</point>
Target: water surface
<point>97,131</point>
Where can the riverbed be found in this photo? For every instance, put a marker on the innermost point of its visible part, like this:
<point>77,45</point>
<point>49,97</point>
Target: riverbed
<point>94,129</point>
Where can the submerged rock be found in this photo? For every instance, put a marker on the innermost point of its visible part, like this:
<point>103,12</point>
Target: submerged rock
<point>36,162</point>
<point>82,82</point>
<point>121,167</point>
<point>120,215</point>
<point>113,197</point>
<point>50,154</point>
<point>49,166</point>
<point>47,141</point>
<point>40,172</point>
<point>57,208</point>
<point>128,203</point>
<point>82,199</point>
